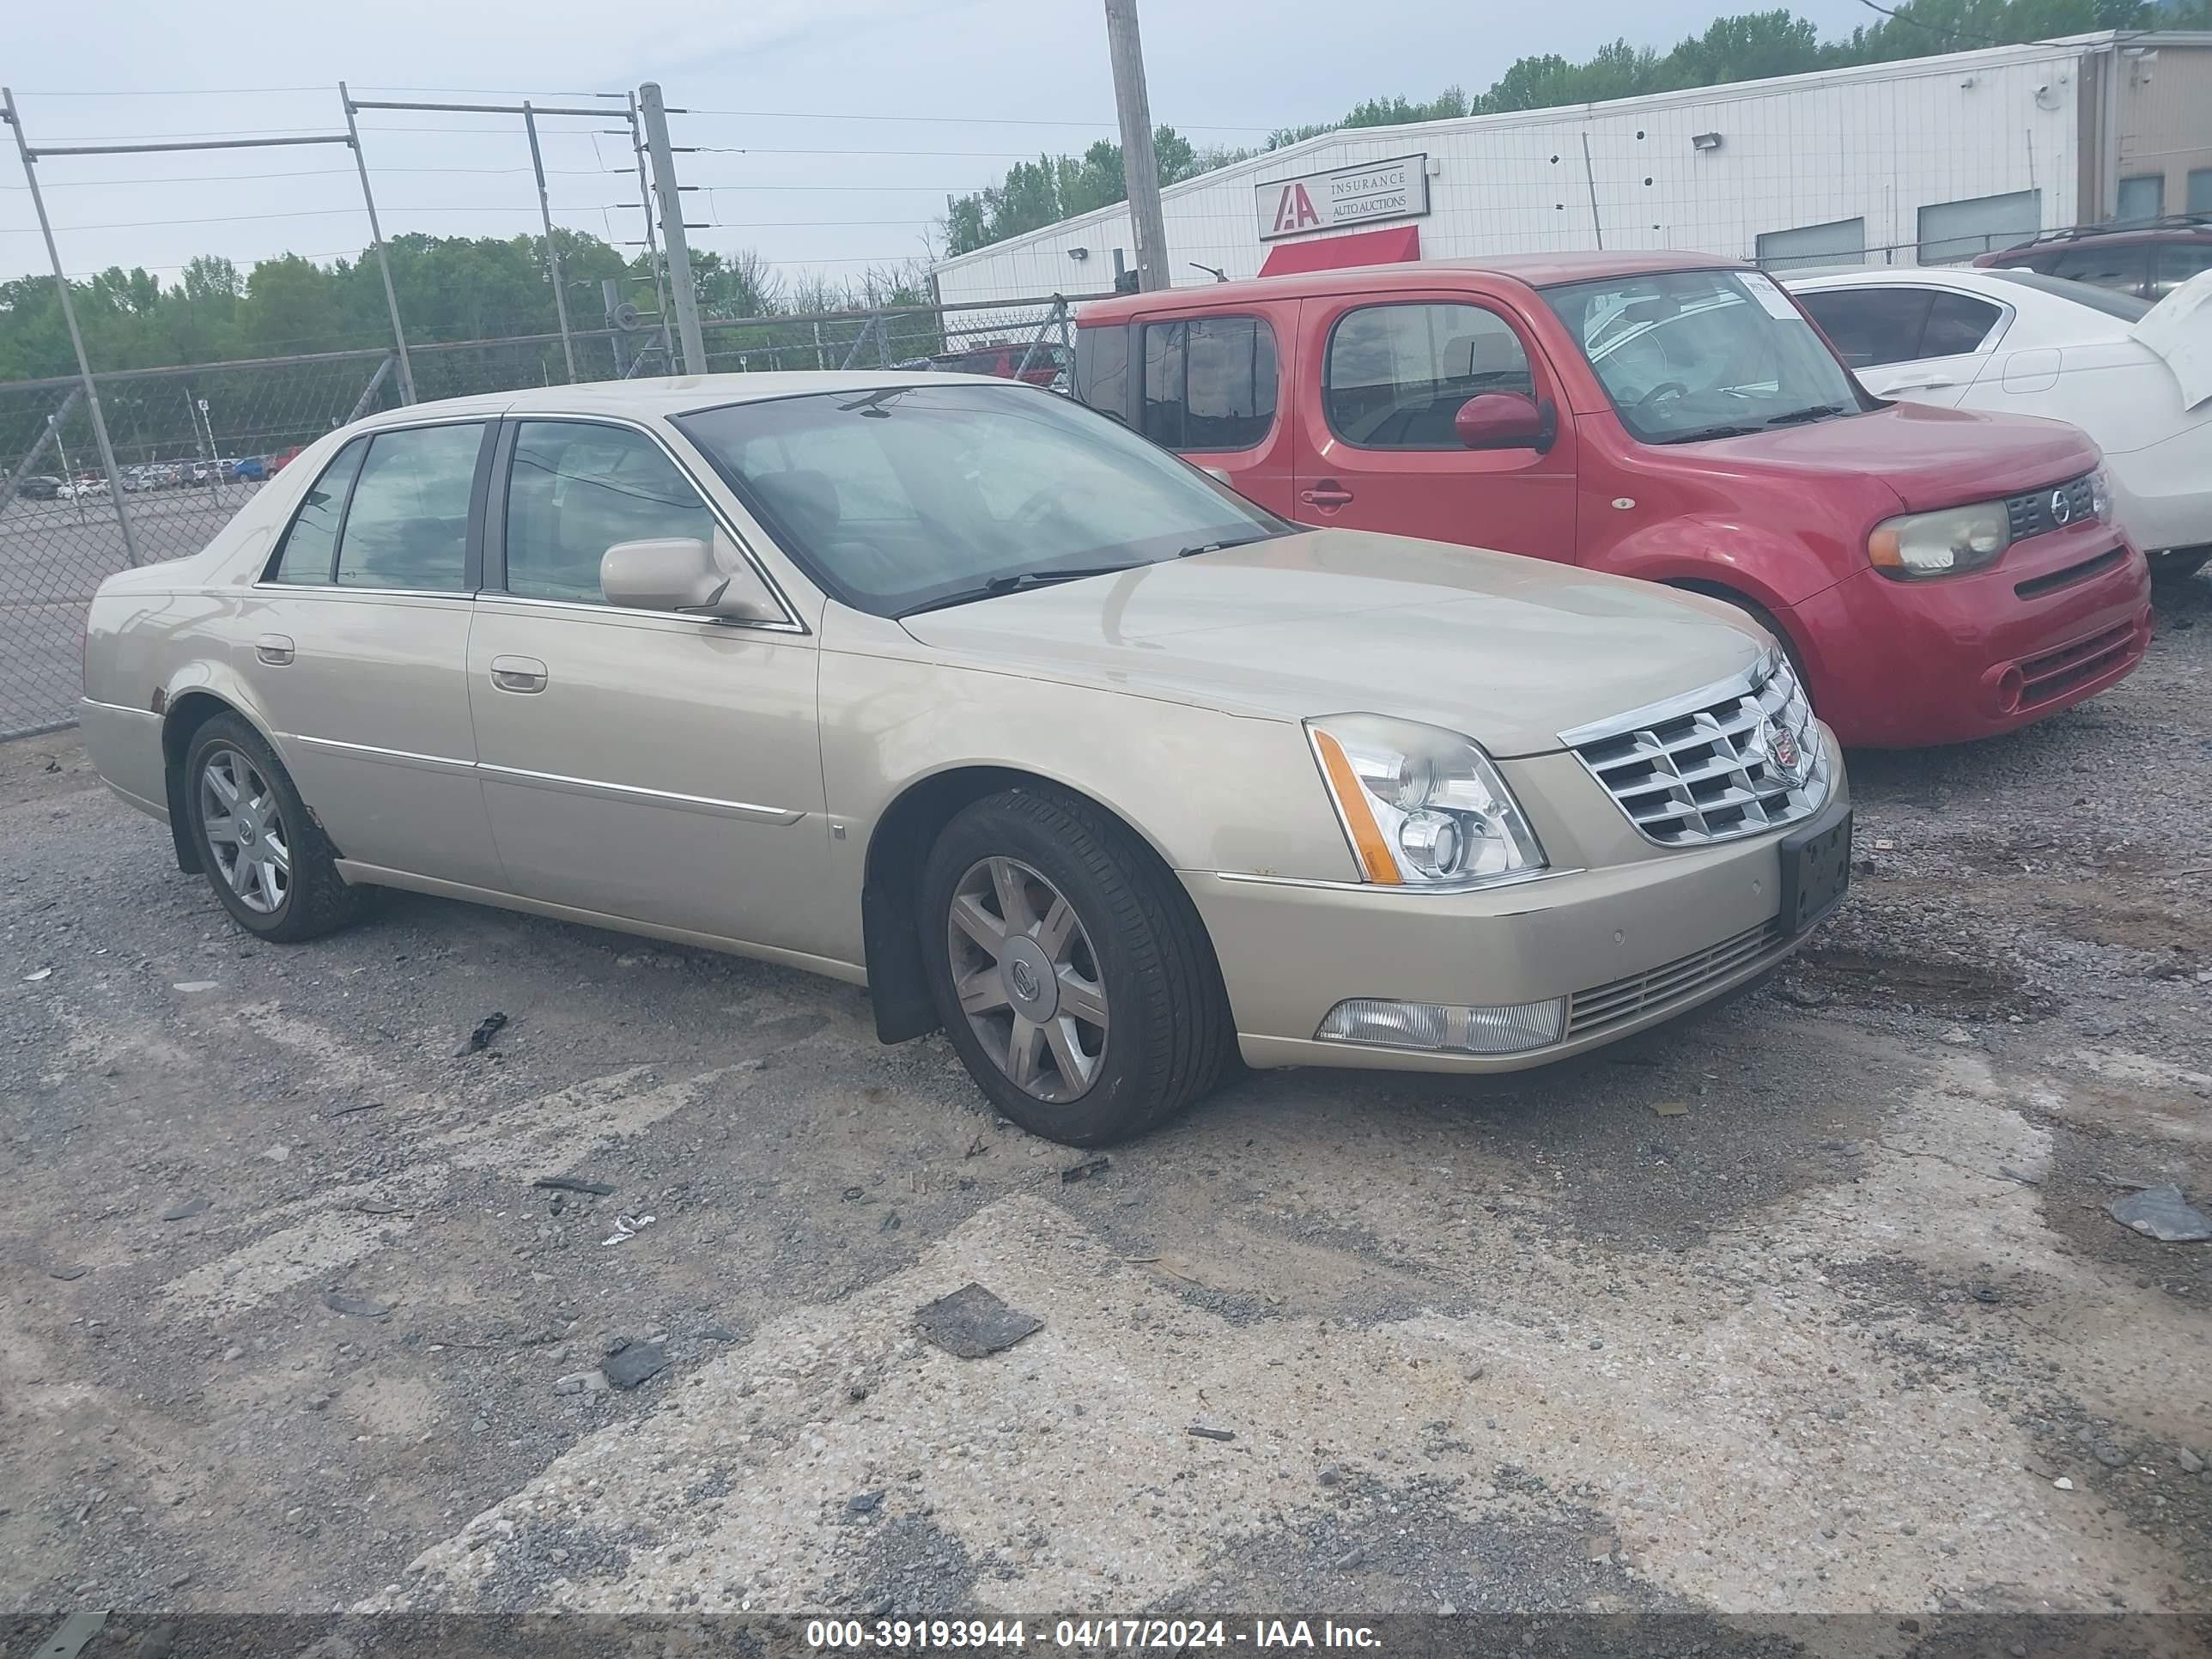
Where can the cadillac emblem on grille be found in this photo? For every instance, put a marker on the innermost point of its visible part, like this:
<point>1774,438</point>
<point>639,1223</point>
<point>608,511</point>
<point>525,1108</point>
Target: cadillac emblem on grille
<point>2062,507</point>
<point>1783,754</point>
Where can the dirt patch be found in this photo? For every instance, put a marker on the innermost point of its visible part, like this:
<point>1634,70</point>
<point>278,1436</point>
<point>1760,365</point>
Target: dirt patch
<point>1959,990</point>
<point>37,769</point>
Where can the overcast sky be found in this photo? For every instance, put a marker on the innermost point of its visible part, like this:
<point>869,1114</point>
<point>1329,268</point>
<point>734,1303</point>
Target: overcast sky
<point>832,194</point>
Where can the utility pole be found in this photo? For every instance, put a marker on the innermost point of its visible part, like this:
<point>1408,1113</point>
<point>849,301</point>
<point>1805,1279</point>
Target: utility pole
<point>76,338</point>
<point>1140,171</point>
<point>552,249</point>
<point>671,227</point>
<point>376,239</point>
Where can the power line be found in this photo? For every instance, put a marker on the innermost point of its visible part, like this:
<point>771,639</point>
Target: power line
<point>236,92</point>
<point>759,149</point>
<point>948,120</point>
<point>337,172</point>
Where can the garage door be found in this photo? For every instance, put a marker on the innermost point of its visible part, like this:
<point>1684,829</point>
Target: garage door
<point>1952,231</point>
<point>1839,242</point>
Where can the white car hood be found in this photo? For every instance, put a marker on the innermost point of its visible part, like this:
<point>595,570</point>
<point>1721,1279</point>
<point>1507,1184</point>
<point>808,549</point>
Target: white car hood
<point>2179,330</point>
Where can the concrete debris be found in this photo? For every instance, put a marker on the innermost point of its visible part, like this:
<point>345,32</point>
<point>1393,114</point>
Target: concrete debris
<point>972,1322</point>
<point>2162,1212</point>
<point>634,1363</point>
<point>480,1039</point>
<point>573,1184</point>
<point>189,1208</point>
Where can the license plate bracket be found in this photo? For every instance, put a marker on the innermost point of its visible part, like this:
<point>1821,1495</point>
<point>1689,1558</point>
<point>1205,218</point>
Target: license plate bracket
<point>1816,874</point>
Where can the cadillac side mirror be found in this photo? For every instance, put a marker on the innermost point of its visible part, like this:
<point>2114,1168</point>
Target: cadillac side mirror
<point>1506,420</point>
<point>682,573</point>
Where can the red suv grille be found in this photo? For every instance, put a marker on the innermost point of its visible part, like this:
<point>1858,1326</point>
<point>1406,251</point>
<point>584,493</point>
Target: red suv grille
<point>2054,673</point>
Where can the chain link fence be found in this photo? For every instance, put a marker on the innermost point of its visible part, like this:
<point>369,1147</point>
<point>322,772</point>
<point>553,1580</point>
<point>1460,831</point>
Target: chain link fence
<point>192,445</point>
<point>1032,337</point>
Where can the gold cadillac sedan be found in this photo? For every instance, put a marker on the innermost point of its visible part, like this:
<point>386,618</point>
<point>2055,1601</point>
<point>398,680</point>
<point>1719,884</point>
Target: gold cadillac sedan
<point>953,689</point>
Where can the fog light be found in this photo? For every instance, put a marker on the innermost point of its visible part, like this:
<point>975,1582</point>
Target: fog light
<point>1378,1023</point>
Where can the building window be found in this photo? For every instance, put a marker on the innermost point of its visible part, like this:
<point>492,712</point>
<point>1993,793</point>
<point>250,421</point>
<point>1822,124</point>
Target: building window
<point>1209,383</point>
<point>2200,190</point>
<point>1397,375</point>
<point>2141,198</point>
<point>1839,242</point>
<point>1952,231</point>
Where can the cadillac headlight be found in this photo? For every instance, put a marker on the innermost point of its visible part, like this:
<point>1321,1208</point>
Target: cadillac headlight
<point>1421,806</point>
<point>1959,538</point>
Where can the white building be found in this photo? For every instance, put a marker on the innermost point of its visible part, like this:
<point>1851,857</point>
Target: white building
<point>1932,160</point>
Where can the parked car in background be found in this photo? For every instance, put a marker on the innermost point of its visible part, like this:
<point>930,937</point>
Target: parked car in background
<point>283,458</point>
<point>1038,362</point>
<point>1671,417</point>
<point>83,489</point>
<point>2149,259</point>
<point>953,689</point>
<point>2022,342</point>
<point>251,469</point>
<point>38,487</point>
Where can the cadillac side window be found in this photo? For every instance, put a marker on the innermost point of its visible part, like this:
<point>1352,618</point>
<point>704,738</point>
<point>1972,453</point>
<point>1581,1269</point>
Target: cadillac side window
<point>311,544</point>
<point>1397,375</point>
<point>576,489</point>
<point>1209,383</point>
<point>408,524</point>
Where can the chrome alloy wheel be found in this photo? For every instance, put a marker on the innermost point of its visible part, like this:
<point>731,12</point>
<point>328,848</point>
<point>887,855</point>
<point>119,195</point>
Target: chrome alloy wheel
<point>1029,980</point>
<point>245,830</point>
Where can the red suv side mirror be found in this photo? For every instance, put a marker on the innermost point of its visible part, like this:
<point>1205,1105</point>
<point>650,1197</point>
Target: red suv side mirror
<point>1503,419</point>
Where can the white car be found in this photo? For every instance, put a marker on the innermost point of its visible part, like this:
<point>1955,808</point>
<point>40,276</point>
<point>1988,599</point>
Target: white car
<point>2131,375</point>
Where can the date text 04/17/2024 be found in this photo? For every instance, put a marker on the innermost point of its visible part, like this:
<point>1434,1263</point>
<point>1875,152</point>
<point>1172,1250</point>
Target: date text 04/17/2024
<point>1091,1634</point>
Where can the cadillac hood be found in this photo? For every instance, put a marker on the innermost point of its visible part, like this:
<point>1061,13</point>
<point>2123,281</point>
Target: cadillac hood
<point>1508,651</point>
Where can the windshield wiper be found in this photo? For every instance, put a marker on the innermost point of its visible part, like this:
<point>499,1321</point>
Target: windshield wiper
<point>1013,584</point>
<point>1222,545</point>
<point>1798,416</point>
<point>1698,435</point>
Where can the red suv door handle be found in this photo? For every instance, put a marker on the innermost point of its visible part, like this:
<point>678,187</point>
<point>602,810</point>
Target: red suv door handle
<point>1327,493</point>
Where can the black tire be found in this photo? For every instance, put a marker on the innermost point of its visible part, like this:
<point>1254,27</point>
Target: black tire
<point>315,899</point>
<point>1170,1039</point>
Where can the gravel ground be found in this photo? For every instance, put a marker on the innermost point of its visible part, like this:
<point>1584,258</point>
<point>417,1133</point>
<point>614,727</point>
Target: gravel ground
<point>1808,1303</point>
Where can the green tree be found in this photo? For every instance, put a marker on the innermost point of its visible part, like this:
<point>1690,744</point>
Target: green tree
<point>1044,191</point>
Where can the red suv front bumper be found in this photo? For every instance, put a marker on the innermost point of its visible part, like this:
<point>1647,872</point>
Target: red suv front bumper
<point>1897,665</point>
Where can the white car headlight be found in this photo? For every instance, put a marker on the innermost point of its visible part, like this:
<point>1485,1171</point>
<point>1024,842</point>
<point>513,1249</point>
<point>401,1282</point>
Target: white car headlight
<point>1945,543</point>
<point>1421,806</point>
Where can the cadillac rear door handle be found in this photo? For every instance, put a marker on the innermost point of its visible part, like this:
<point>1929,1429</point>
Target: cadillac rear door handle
<point>518,673</point>
<point>275,649</point>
